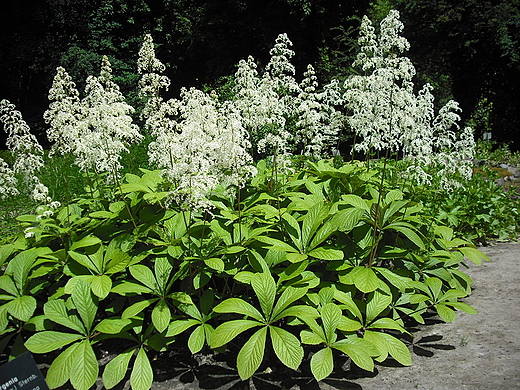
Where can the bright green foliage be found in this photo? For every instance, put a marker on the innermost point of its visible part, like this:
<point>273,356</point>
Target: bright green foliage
<point>329,254</point>
<point>286,346</point>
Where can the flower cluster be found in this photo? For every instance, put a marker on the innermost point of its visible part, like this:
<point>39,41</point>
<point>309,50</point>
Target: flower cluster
<point>379,100</point>
<point>97,128</point>
<point>318,122</point>
<point>199,142</point>
<point>27,153</point>
<point>282,116</point>
<point>387,115</point>
<point>202,145</point>
<point>151,81</point>
<point>63,114</point>
<point>8,181</point>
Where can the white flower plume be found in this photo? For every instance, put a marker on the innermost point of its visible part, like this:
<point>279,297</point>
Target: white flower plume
<point>27,152</point>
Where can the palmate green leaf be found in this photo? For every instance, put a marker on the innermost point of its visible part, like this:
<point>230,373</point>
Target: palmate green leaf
<point>59,371</point>
<point>7,284</point>
<point>144,275</point>
<point>344,220</point>
<point>292,227</point>
<point>161,315</point>
<point>141,377</point>
<point>462,307</point>
<point>377,302</point>
<point>330,317</point>
<point>296,257</point>
<point>400,282</point>
<point>406,229</point>
<point>324,232</point>
<point>387,343</point>
<point>191,310</point>
<point>387,323</point>
<point>56,311</point>
<point>112,325</point>
<point>22,307</point>
<point>162,270</point>
<point>359,351</point>
<point>447,314</point>
<point>303,312</point>
<point>292,271</point>
<point>124,288</point>
<point>251,354</point>
<point>84,366</point>
<point>49,340</point>
<point>101,286</point>
<point>290,295</point>
<point>84,303</point>
<point>350,305</point>
<point>452,294</point>
<point>287,347</point>
<point>215,263</point>
<point>239,306</point>
<point>257,262</point>
<point>265,288</point>
<point>355,201</point>
<point>85,261</point>
<point>197,339</point>
<point>418,298</point>
<point>312,221</point>
<point>322,364</point>
<point>208,331</point>
<point>364,279</point>
<point>102,214</point>
<point>71,283</point>
<point>20,266</point>
<point>276,244</point>
<point>348,325</point>
<point>435,286</point>
<point>474,255</point>
<point>36,323</point>
<point>229,330</point>
<point>116,369</point>
<point>137,308</point>
<point>5,252</point>
<point>181,297</point>
<point>116,261</point>
<point>323,253</point>
<point>311,338</point>
<point>179,326</point>
<point>85,241</point>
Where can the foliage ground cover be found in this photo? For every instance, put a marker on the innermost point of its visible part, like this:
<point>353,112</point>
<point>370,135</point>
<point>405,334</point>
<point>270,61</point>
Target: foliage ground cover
<point>241,227</point>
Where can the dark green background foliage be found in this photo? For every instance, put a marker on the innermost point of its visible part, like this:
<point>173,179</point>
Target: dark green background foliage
<point>469,50</point>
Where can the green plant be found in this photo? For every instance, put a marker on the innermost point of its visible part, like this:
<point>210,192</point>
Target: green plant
<point>286,346</point>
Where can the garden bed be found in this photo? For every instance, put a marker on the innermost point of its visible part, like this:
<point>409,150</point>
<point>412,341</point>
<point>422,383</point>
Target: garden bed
<point>474,351</point>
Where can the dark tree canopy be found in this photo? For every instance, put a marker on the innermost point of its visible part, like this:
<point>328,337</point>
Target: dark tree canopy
<point>468,49</point>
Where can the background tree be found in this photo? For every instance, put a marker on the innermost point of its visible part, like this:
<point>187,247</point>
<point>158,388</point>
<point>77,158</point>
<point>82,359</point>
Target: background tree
<point>468,49</point>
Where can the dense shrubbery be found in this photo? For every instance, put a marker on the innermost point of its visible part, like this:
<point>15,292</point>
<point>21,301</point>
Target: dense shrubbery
<point>295,254</point>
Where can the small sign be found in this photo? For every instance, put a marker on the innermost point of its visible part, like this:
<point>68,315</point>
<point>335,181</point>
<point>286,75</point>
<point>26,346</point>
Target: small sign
<point>22,373</point>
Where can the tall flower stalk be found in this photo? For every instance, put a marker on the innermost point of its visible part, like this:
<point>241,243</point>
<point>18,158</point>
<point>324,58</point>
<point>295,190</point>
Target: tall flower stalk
<point>27,153</point>
<point>96,129</point>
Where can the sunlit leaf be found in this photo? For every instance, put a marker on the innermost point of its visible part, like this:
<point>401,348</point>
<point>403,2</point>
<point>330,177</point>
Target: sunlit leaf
<point>251,354</point>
